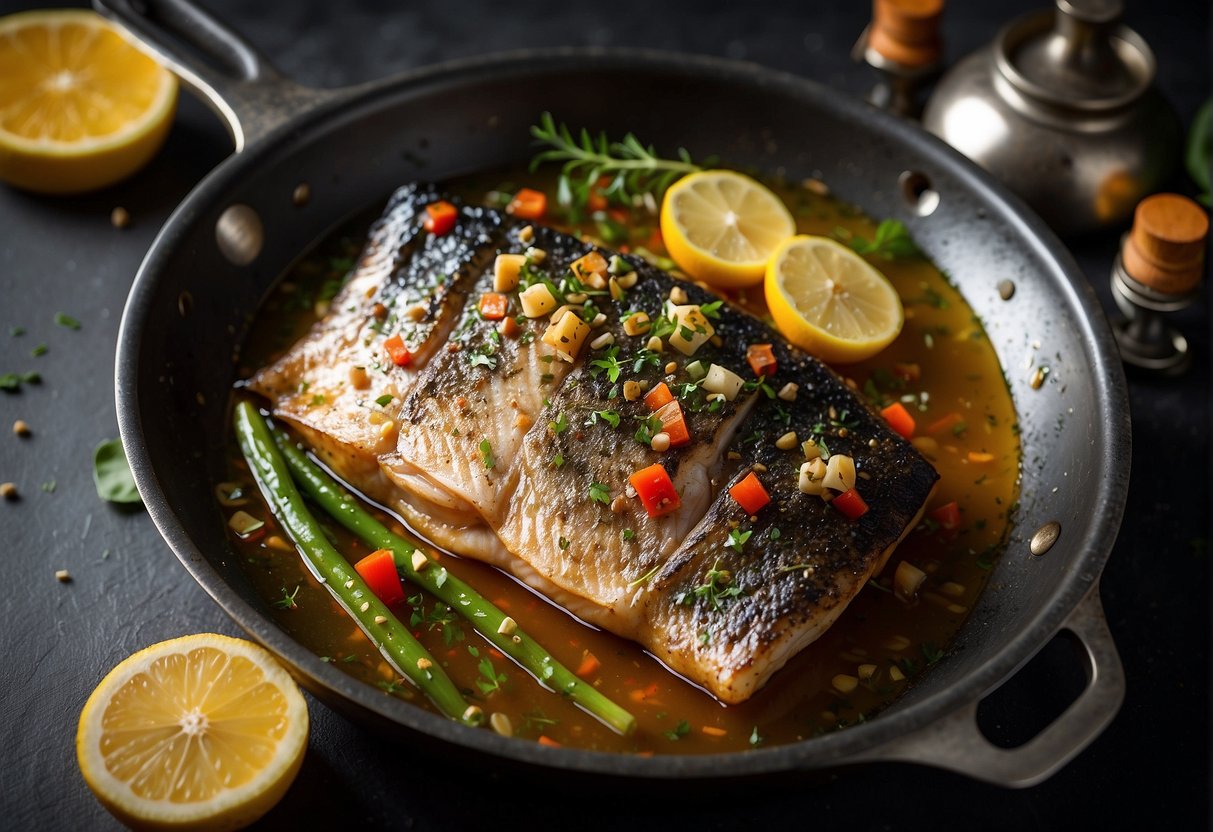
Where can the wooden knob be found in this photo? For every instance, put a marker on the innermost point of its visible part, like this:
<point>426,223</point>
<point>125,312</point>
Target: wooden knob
<point>907,31</point>
<point>1166,248</point>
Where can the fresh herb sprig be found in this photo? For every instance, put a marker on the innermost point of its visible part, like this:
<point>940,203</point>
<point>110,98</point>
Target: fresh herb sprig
<point>892,242</point>
<point>632,167</point>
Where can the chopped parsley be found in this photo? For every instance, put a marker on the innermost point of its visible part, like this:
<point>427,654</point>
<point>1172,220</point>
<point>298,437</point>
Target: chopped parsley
<point>609,363</point>
<point>384,400</point>
<point>287,601</point>
<point>717,589</point>
<point>486,454</point>
<point>611,417</point>
<point>490,680</point>
<point>600,493</point>
<point>66,321</point>
<point>738,538</point>
<point>680,730</point>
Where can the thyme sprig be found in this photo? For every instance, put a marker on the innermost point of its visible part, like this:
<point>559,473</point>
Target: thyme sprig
<point>633,168</point>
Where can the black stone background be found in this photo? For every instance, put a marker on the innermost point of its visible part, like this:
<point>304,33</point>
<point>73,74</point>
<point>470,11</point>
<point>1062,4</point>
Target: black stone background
<point>1150,768</point>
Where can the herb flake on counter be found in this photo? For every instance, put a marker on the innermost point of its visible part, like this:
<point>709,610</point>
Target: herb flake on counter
<point>11,382</point>
<point>66,320</point>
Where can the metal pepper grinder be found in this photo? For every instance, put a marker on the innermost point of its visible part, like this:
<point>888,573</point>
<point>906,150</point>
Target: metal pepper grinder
<point>1157,272</point>
<point>1062,108</point>
<point>902,45</point>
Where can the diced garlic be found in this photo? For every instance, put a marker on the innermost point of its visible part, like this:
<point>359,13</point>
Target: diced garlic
<point>840,473</point>
<point>696,370</point>
<point>811,475</point>
<point>637,324</point>
<point>537,301</point>
<point>566,336</point>
<point>506,269</point>
<point>721,380</point>
<point>631,391</point>
<point>811,449</point>
<point>603,340</point>
<point>907,580</point>
<point>786,442</point>
<point>692,329</point>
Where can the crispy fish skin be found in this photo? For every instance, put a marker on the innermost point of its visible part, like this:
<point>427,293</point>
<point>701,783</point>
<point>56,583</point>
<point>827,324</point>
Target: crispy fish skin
<point>502,452</point>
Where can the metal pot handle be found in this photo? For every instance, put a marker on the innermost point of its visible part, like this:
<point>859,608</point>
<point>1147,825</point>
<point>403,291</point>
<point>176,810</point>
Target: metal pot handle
<point>229,74</point>
<point>956,743</point>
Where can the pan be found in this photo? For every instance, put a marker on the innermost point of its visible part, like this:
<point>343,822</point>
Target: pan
<point>246,222</point>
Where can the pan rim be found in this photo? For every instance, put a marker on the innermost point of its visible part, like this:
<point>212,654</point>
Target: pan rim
<point>1091,553</point>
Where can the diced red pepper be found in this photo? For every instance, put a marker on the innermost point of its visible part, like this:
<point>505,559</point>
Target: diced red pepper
<point>761,358</point>
<point>674,423</point>
<point>397,351</point>
<point>655,490</point>
<point>528,204</point>
<point>493,306</point>
<point>947,516</point>
<point>439,217</point>
<point>589,665</point>
<point>378,569</point>
<point>750,493</point>
<point>946,423</point>
<point>658,397</point>
<point>850,504</point>
<point>899,419</point>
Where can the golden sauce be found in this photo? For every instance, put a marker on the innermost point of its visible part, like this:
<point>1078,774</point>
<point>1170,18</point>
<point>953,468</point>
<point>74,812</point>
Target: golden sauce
<point>941,367</point>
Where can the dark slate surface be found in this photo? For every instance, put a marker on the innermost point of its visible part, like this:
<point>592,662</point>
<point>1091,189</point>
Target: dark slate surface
<point>57,640</point>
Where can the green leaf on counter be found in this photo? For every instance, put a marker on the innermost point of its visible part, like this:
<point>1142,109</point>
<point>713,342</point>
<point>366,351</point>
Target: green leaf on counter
<point>112,474</point>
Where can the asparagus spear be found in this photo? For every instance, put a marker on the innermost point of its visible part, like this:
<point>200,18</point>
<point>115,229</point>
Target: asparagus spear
<point>491,622</point>
<point>395,642</point>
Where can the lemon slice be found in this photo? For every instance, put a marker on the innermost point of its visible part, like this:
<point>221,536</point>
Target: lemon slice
<point>203,731</point>
<point>80,108</point>
<point>721,227</point>
<point>829,301</point>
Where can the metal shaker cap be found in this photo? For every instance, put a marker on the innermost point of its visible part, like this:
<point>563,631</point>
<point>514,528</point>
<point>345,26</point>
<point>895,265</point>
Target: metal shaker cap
<point>1077,57</point>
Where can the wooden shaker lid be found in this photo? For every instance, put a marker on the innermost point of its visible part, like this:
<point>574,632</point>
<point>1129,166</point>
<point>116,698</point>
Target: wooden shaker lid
<point>1166,248</point>
<point>907,31</point>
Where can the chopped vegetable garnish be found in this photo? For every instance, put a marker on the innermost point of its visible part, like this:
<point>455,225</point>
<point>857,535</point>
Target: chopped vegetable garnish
<point>528,204</point>
<point>439,218</point>
<point>592,263</point>
<point>674,423</point>
<point>378,569</point>
<point>589,665</point>
<point>658,397</point>
<point>493,306</point>
<point>655,490</point>
<point>850,504</point>
<point>947,515</point>
<point>761,358</point>
<point>397,351</point>
<point>946,423</point>
<point>899,419</point>
<point>750,493</point>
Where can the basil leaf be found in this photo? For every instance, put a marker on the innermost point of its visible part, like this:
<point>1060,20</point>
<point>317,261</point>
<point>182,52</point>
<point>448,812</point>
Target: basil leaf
<point>112,474</point>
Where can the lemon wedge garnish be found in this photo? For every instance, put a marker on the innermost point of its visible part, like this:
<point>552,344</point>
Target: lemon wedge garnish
<point>80,108</point>
<point>829,301</point>
<point>721,227</point>
<point>203,731</point>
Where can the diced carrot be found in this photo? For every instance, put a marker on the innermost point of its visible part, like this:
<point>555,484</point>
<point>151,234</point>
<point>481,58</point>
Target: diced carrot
<point>528,204</point>
<point>397,351</point>
<point>980,457</point>
<point>946,423</point>
<point>509,328</point>
<point>655,490</point>
<point>899,419</point>
<point>658,397</point>
<point>907,370</point>
<point>674,423</point>
<point>439,217</point>
<point>378,569</point>
<point>713,731</point>
<point>850,504</point>
<point>636,695</point>
<point>947,515</point>
<point>750,493</point>
<point>493,306</point>
<point>761,358</point>
<point>550,743</point>
<point>589,665</point>
<point>592,263</point>
<point>596,201</point>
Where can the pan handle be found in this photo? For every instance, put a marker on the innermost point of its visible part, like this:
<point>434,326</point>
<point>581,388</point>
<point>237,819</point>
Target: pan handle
<point>957,744</point>
<point>238,83</point>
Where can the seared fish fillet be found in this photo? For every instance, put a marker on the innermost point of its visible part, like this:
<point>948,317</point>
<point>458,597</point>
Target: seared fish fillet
<point>498,449</point>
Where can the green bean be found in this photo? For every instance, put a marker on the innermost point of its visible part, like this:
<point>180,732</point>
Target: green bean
<point>488,620</point>
<point>403,652</point>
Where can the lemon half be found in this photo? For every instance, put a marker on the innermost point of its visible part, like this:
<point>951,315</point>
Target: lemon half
<point>721,227</point>
<point>199,732</point>
<point>830,302</point>
<point>80,108</point>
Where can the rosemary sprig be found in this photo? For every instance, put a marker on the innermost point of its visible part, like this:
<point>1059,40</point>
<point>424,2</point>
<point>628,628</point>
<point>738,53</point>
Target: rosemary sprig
<point>634,168</point>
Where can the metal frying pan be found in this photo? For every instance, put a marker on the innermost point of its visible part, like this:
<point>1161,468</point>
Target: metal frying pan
<point>225,245</point>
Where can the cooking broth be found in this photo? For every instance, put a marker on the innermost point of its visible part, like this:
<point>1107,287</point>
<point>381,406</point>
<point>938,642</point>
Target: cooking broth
<point>941,367</point>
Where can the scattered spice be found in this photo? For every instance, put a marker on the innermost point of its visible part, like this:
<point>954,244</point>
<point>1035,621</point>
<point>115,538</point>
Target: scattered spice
<point>63,576</point>
<point>20,428</point>
<point>120,217</point>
